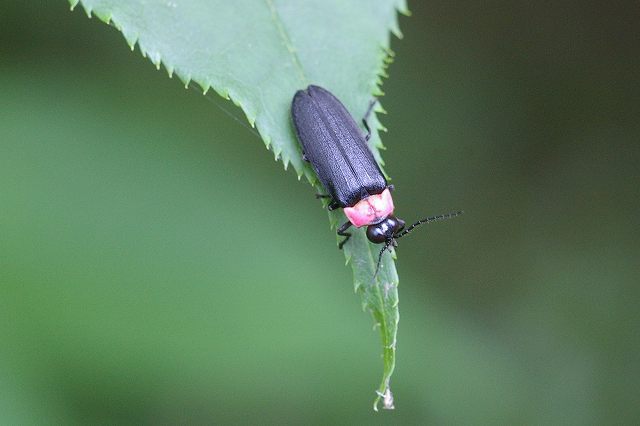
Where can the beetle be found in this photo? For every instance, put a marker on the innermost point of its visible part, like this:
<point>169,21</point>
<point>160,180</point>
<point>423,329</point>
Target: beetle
<point>337,149</point>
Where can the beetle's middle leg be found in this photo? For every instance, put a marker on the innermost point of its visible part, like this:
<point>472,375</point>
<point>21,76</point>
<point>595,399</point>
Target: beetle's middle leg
<point>366,118</point>
<point>341,232</point>
<point>332,204</point>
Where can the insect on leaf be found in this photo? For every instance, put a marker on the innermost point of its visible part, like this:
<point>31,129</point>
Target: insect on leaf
<point>258,53</point>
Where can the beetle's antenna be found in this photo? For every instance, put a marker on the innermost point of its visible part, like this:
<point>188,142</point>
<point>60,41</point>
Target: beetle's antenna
<point>386,247</point>
<point>428,220</point>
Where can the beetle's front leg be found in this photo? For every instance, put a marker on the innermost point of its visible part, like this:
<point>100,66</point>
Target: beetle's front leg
<point>342,233</point>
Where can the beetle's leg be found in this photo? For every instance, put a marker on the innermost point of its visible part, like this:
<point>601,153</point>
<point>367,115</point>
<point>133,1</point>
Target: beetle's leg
<point>391,188</point>
<point>342,233</point>
<point>333,204</point>
<point>366,117</point>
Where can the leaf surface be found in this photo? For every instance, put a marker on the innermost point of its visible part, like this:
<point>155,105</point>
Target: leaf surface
<point>258,53</point>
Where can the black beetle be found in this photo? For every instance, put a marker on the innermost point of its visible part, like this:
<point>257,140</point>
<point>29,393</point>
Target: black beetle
<point>337,149</point>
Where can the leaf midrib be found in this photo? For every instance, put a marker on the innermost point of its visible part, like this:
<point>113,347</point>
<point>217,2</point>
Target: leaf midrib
<point>282,32</point>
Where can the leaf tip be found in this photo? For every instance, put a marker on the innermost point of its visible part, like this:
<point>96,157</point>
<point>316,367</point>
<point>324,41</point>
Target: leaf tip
<point>387,400</point>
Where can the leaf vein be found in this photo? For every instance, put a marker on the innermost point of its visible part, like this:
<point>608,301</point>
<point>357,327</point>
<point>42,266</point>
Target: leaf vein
<point>275,17</point>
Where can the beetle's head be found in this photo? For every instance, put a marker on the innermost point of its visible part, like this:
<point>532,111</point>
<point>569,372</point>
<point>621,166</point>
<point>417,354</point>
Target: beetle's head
<point>384,231</point>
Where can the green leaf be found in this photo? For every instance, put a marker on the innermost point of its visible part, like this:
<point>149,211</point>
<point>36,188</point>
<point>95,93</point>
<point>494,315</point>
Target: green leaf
<point>257,53</point>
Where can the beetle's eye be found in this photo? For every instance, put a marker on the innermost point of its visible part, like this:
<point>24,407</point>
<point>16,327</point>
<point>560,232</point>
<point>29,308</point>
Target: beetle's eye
<point>376,233</point>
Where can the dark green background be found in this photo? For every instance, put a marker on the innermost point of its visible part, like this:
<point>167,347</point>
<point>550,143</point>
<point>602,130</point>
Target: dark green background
<point>157,266</point>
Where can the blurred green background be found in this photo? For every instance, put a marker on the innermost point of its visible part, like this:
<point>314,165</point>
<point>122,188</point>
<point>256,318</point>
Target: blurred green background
<point>157,266</point>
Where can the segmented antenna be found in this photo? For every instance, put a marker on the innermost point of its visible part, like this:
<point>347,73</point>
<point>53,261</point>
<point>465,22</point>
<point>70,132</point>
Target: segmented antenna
<point>428,220</point>
<point>386,247</point>
<point>391,241</point>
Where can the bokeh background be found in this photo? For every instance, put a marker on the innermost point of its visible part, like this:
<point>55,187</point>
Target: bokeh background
<point>157,266</point>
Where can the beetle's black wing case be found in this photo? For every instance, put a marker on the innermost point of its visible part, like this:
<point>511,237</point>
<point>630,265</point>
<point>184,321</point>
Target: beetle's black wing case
<point>335,146</point>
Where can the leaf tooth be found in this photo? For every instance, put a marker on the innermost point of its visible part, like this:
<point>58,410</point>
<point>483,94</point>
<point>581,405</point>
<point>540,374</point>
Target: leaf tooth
<point>389,58</point>
<point>395,27</point>
<point>250,114</point>
<point>377,92</point>
<point>403,8</point>
<point>222,92</point>
<point>155,59</point>
<point>267,142</point>
<point>276,153</point>
<point>287,160</point>
<point>73,4</point>
<point>365,303</point>
<point>347,259</point>
<point>387,53</point>
<point>104,15</point>
<point>170,70</point>
<point>131,37</point>
<point>233,98</point>
<point>186,79</point>
<point>356,288</point>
